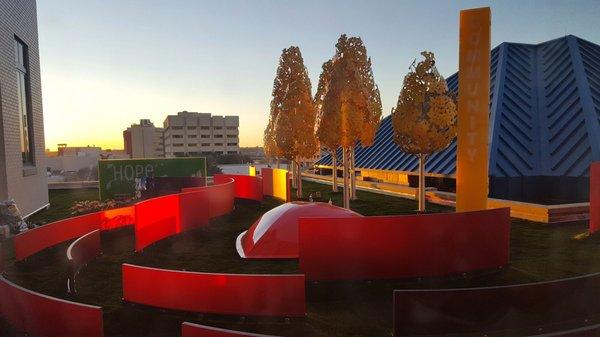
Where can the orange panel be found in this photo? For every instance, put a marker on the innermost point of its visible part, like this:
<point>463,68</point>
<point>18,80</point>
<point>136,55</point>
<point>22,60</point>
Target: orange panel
<point>473,110</point>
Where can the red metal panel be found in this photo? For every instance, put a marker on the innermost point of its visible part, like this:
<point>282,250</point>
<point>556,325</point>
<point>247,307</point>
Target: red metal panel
<point>35,240</point>
<point>197,330</point>
<point>496,309</point>
<point>246,187</point>
<point>118,217</point>
<point>595,197</point>
<point>44,316</point>
<point>403,246</point>
<point>222,198</point>
<point>193,208</point>
<point>234,294</point>
<point>267,176</point>
<point>156,219</point>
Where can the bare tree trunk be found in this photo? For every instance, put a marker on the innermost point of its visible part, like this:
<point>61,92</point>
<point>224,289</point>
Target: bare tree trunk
<point>334,187</point>
<point>294,174</point>
<point>299,189</point>
<point>345,158</point>
<point>422,159</point>
<point>352,175</point>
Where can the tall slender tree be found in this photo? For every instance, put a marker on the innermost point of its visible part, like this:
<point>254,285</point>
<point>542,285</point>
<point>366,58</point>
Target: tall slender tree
<point>295,118</point>
<point>326,127</point>
<point>349,104</point>
<point>424,119</point>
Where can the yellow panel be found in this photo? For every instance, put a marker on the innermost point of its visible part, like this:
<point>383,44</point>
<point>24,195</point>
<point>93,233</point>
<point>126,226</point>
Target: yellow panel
<point>252,170</point>
<point>473,110</point>
<point>280,184</point>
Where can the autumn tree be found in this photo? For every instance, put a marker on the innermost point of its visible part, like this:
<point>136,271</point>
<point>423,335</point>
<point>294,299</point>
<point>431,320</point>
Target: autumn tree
<point>349,104</point>
<point>326,127</point>
<point>293,127</point>
<point>424,119</point>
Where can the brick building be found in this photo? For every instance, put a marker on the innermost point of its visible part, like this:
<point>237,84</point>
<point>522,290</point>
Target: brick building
<point>22,161</point>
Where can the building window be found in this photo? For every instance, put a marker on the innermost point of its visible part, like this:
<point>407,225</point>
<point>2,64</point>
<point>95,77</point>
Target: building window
<point>192,144</point>
<point>177,127</point>
<point>205,144</point>
<point>231,144</point>
<point>24,97</point>
<point>177,136</point>
<point>231,128</point>
<point>205,128</point>
<point>218,144</point>
<point>178,145</point>
<point>218,128</point>
<point>218,136</point>
<point>231,152</point>
<point>191,128</point>
<point>231,136</point>
<point>192,136</point>
<point>204,136</point>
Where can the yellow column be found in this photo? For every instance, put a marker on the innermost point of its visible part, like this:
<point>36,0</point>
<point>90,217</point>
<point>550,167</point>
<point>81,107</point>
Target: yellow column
<point>473,110</point>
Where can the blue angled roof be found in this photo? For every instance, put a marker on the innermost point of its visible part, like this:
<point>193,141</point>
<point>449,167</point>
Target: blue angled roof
<point>544,115</point>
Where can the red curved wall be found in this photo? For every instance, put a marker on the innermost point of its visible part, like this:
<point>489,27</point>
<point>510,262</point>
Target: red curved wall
<point>156,219</point>
<point>246,187</point>
<point>595,197</point>
<point>233,294</point>
<point>197,330</point>
<point>496,309</point>
<point>44,316</point>
<point>222,198</point>
<point>193,208</point>
<point>403,246</point>
<point>117,218</point>
<point>34,240</point>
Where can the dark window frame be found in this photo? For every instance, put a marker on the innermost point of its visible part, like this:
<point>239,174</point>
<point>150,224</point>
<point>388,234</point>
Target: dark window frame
<point>22,73</point>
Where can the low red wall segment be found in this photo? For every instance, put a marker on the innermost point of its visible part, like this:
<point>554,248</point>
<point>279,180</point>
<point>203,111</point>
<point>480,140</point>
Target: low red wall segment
<point>379,247</point>
<point>34,240</point>
<point>495,309</point>
<point>595,197</point>
<point>246,187</point>
<point>79,253</point>
<point>156,219</point>
<point>197,330</point>
<point>44,316</point>
<point>232,294</point>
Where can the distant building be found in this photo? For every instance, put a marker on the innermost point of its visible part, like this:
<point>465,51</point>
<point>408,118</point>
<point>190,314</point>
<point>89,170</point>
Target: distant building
<point>73,159</point>
<point>195,134</point>
<point>22,162</point>
<point>144,140</point>
<point>255,153</point>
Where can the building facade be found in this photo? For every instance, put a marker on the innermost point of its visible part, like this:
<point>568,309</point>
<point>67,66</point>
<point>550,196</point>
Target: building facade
<point>22,161</point>
<point>144,140</point>
<point>195,134</point>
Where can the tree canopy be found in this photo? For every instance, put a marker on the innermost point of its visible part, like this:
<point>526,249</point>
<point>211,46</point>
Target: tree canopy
<point>424,119</point>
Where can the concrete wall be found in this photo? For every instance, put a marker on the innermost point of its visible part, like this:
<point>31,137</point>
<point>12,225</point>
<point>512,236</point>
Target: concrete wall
<point>27,185</point>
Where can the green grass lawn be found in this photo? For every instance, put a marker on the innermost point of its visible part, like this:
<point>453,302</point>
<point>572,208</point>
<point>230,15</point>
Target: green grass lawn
<point>538,252</point>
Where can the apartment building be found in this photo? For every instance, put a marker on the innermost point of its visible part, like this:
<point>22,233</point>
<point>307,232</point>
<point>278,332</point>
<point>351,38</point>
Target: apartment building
<point>195,134</point>
<point>144,140</point>
<point>22,161</point>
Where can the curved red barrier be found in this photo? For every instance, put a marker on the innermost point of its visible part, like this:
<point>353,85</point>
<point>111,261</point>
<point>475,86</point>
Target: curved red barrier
<point>117,218</point>
<point>594,197</point>
<point>34,240</point>
<point>494,309</point>
<point>403,246</point>
<point>221,198</point>
<point>156,219</point>
<point>44,316</point>
<point>232,294</point>
<point>79,253</point>
<point>246,187</point>
<point>37,239</point>
<point>197,330</point>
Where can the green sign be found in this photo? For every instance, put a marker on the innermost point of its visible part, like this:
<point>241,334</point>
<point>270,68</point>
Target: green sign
<point>117,177</point>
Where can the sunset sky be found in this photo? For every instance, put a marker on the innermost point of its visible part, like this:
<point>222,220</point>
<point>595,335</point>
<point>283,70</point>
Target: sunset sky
<point>108,63</point>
